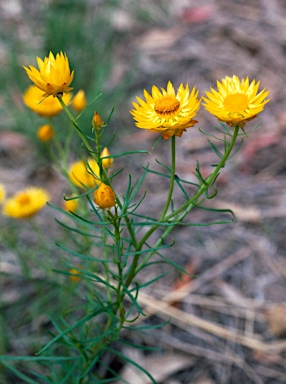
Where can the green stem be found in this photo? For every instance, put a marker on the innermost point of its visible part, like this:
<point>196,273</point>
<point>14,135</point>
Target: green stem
<point>81,135</point>
<point>162,216</point>
<point>187,206</point>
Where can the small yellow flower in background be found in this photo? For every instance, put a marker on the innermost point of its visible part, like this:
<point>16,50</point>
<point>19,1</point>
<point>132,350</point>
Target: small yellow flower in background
<point>97,122</point>
<point>45,133</point>
<point>167,112</point>
<point>2,193</point>
<point>74,272</point>
<point>79,101</point>
<point>70,205</point>
<point>80,173</point>
<point>26,203</point>
<point>49,107</point>
<point>53,76</point>
<point>104,196</point>
<point>236,101</point>
<point>106,163</point>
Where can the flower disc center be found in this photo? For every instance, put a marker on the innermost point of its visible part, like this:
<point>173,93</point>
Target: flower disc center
<point>167,105</point>
<point>24,199</point>
<point>236,102</point>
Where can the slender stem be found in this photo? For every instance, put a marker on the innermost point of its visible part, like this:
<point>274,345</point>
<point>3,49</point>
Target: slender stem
<point>162,216</point>
<point>187,206</point>
<point>81,135</point>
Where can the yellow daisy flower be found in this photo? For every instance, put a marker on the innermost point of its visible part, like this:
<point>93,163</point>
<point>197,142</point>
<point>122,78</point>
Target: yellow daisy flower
<point>70,205</point>
<point>80,173</point>
<point>236,101</point>
<point>45,133</point>
<point>53,76</point>
<point>26,203</point>
<point>49,107</point>
<point>79,101</point>
<point>167,112</point>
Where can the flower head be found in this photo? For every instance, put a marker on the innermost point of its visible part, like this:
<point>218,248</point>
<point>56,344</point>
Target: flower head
<point>26,203</point>
<point>45,133</point>
<point>106,163</point>
<point>79,101</point>
<point>167,112</point>
<point>104,196</point>
<point>49,107</point>
<point>70,205</point>
<point>53,76</point>
<point>236,101</point>
<point>83,174</point>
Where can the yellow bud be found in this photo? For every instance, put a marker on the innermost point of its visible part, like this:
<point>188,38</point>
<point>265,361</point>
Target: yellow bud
<point>104,196</point>
<point>79,101</point>
<point>45,133</point>
<point>106,163</point>
<point>97,122</point>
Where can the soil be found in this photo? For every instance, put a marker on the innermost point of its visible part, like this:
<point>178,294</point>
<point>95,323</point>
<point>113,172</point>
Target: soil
<point>228,323</point>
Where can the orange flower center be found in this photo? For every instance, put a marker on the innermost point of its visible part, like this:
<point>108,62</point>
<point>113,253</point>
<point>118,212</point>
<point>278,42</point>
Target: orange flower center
<point>167,105</point>
<point>24,200</point>
<point>236,102</point>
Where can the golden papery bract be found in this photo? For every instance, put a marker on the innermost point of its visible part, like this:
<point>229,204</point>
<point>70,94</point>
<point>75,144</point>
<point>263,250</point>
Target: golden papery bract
<point>80,173</point>
<point>167,112</point>
<point>79,101</point>
<point>106,163</point>
<point>45,107</point>
<point>26,203</point>
<point>236,101</point>
<point>53,76</point>
<point>104,196</point>
<point>45,133</point>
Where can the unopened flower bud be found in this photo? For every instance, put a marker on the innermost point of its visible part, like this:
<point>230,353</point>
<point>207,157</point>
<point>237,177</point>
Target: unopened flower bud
<point>97,122</point>
<point>104,196</point>
<point>79,101</point>
<point>106,163</point>
<point>45,133</point>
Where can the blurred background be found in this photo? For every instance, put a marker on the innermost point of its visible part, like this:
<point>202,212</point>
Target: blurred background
<point>228,324</point>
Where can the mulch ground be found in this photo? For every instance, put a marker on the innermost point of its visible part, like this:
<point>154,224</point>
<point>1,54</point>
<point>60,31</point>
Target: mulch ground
<point>228,324</point>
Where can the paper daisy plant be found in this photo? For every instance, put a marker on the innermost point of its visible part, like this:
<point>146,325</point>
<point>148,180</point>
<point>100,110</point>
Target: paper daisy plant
<point>236,101</point>
<point>167,112</point>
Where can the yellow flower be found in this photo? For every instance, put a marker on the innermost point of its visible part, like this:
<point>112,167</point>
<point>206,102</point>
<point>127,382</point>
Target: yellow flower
<point>106,163</point>
<point>97,122</point>
<point>74,275</point>
<point>236,101</point>
<point>2,193</point>
<point>70,205</point>
<point>81,175</point>
<point>26,203</point>
<point>79,101</point>
<point>167,112</point>
<point>53,76</point>
<point>45,133</point>
<point>104,196</point>
<point>49,107</point>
